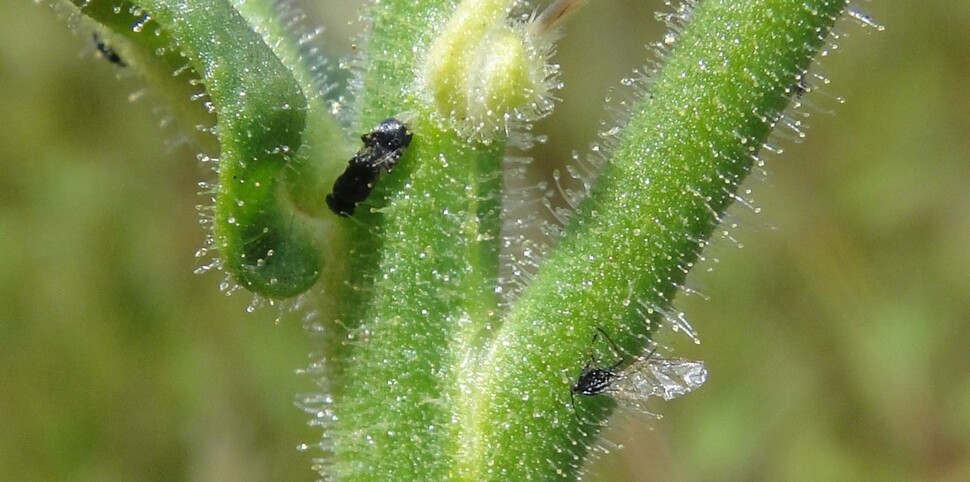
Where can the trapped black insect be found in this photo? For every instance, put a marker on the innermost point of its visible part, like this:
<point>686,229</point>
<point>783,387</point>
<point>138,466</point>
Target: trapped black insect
<point>644,377</point>
<point>383,147</point>
<point>594,379</point>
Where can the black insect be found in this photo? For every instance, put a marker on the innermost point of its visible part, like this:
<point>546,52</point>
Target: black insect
<point>595,379</point>
<point>107,52</point>
<point>383,147</point>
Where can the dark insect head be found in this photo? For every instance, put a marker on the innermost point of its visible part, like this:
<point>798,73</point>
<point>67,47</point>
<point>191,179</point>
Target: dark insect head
<point>390,136</point>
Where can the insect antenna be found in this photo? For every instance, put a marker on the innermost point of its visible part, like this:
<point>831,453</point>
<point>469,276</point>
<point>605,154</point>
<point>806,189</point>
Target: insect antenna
<point>616,350</point>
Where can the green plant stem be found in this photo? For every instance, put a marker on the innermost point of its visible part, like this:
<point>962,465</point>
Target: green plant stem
<point>420,405</point>
<point>429,381</point>
<point>158,64</point>
<point>325,150</point>
<point>260,111</point>
<point>688,145</point>
<point>262,239</point>
<point>431,269</point>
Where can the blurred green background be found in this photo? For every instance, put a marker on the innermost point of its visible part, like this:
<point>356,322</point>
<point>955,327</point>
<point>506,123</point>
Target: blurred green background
<point>837,337</point>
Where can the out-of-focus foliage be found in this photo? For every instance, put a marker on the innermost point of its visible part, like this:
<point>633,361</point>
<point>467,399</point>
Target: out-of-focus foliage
<point>116,362</point>
<point>837,337</point>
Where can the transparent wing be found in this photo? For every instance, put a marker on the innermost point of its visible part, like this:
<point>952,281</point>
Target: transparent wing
<point>658,377</point>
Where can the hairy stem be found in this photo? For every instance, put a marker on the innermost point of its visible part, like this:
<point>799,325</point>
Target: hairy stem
<point>688,145</point>
<point>430,270</point>
<point>270,186</point>
<point>429,380</point>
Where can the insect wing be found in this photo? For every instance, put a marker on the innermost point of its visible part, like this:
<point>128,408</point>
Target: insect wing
<point>658,377</point>
<point>677,376</point>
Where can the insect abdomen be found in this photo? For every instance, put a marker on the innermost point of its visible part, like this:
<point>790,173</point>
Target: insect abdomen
<point>351,188</point>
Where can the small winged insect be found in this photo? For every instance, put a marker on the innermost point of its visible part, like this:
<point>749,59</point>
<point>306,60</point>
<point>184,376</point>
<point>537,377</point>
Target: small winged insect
<point>383,147</point>
<point>107,52</point>
<point>645,377</point>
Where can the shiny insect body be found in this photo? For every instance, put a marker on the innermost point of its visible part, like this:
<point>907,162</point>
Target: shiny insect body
<point>594,379</point>
<point>383,147</point>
